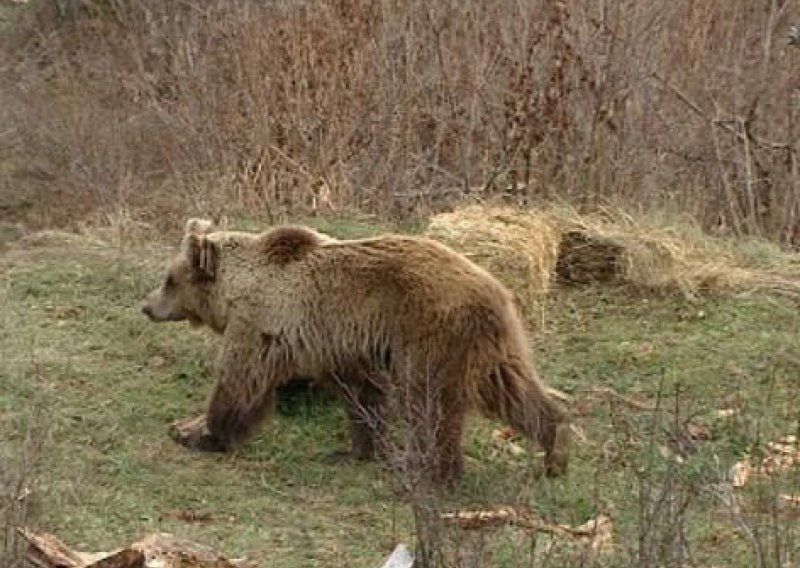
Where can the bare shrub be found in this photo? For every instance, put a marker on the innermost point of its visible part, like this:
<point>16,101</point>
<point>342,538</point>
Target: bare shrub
<point>678,490</point>
<point>400,107</point>
<point>411,426</point>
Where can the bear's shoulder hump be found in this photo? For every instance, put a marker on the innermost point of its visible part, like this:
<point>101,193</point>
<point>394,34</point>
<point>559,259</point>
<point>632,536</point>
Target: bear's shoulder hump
<point>286,244</point>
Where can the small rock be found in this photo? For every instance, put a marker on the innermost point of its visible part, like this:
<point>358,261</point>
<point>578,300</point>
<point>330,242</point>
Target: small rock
<point>400,558</point>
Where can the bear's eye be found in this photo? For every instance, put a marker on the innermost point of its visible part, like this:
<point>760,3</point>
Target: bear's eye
<point>169,282</point>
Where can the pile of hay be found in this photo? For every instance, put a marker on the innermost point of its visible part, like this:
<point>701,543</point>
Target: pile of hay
<point>650,258</point>
<point>656,259</point>
<point>519,247</point>
<point>528,250</point>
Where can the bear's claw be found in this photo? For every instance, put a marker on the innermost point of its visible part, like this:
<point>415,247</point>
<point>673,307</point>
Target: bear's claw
<point>193,433</point>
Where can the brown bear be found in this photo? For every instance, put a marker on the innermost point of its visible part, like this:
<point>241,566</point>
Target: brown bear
<point>394,322</point>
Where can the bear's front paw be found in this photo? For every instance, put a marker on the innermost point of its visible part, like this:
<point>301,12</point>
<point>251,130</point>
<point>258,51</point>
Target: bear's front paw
<point>339,457</point>
<point>557,458</point>
<point>555,465</point>
<point>193,433</point>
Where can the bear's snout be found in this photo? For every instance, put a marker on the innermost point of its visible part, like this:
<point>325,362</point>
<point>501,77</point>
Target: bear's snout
<point>159,308</point>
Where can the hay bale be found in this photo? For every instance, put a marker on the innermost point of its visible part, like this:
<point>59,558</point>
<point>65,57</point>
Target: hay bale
<point>585,260</point>
<point>519,247</point>
<point>527,250</point>
<point>655,259</point>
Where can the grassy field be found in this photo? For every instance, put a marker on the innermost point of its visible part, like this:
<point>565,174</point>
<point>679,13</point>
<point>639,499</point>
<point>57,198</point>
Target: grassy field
<point>88,378</point>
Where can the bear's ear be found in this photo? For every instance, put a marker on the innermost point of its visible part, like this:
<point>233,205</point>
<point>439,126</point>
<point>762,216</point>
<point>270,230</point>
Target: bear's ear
<point>202,253</point>
<point>287,244</point>
<point>196,226</point>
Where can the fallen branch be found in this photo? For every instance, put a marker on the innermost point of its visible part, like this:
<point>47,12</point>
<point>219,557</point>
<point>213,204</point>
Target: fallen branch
<point>516,516</point>
<point>559,395</point>
<point>47,551</point>
<point>596,533</point>
<point>630,402</point>
<point>154,551</point>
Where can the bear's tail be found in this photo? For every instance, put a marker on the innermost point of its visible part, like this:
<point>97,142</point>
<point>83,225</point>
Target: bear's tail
<point>514,394</point>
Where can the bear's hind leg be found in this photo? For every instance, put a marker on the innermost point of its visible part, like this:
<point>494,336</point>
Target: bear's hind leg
<point>448,460</point>
<point>365,406</point>
<point>515,395</point>
<point>367,425</point>
<point>436,426</point>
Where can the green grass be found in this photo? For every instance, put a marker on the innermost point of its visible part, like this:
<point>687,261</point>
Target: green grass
<point>73,344</point>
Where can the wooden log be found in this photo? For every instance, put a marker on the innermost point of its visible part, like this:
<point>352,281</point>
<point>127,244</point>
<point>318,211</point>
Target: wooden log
<point>46,551</point>
<point>160,550</point>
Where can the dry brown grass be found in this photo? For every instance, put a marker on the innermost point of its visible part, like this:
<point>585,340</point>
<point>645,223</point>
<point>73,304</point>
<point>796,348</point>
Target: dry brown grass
<point>521,247</point>
<point>528,250</point>
<point>163,109</point>
<point>677,258</point>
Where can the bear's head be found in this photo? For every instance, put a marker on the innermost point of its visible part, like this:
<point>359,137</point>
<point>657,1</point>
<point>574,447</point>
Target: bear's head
<point>184,292</point>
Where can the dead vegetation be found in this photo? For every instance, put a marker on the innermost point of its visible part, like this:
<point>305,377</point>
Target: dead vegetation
<point>674,258</point>
<point>531,250</point>
<point>520,246</point>
<point>154,109</point>
<point>158,550</point>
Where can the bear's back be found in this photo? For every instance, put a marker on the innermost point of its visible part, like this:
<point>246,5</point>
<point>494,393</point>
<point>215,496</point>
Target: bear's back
<point>350,297</point>
<point>416,273</point>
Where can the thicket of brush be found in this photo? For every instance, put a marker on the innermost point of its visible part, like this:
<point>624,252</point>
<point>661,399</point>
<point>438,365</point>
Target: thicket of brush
<point>147,109</point>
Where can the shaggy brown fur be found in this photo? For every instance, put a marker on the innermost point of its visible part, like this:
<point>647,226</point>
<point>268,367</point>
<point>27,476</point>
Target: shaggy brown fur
<point>386,319</point>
